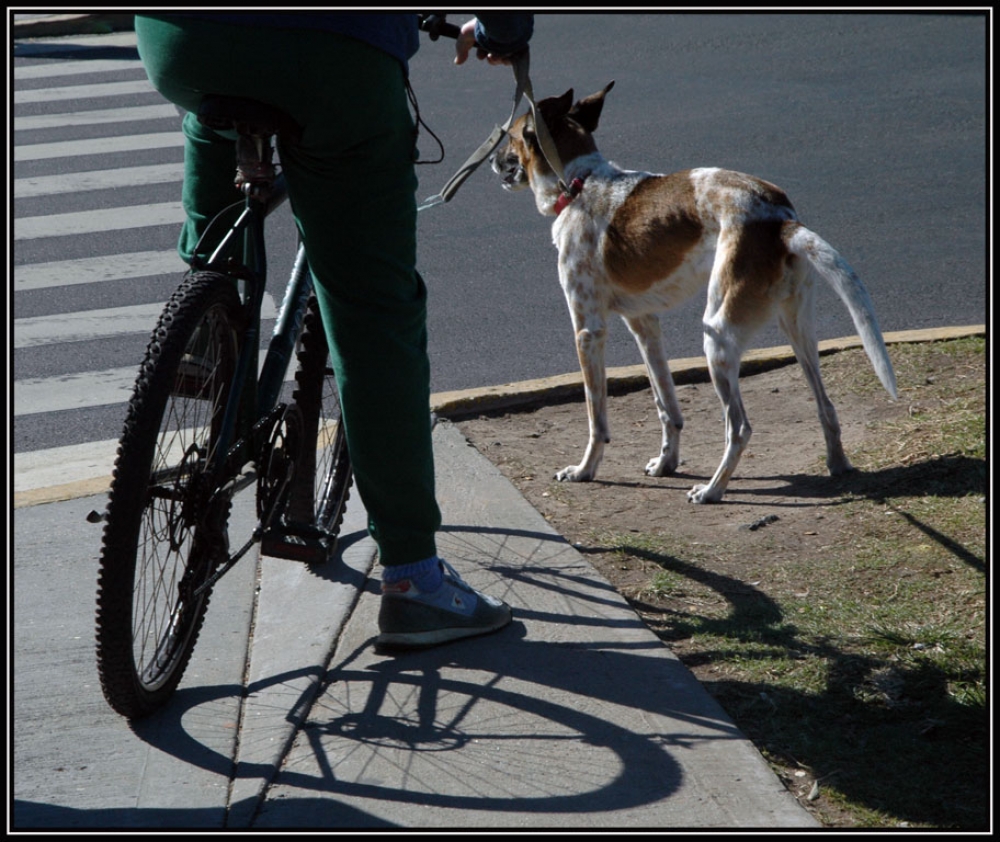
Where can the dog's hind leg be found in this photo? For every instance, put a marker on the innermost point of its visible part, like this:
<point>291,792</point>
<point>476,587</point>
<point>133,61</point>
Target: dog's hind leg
<point>724,366</point>
<point>795,319</point>
<point>646,330</point>
<point>724,341</point>
<point>591,333</point>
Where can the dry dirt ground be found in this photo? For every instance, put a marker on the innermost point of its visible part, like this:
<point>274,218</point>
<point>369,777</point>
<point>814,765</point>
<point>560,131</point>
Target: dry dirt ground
<point>782,522</point>
<point>780,488</point>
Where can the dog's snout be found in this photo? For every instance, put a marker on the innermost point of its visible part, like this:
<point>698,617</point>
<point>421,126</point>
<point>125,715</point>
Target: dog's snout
<point>506,163</point>
<point>500,157</point>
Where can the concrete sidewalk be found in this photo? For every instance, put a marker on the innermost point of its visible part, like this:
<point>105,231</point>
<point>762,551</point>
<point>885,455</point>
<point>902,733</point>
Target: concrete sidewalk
<point>575,715</point>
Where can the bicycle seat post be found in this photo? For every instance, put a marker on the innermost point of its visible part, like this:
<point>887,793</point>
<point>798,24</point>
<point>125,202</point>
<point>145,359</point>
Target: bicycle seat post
<point>255,172</point>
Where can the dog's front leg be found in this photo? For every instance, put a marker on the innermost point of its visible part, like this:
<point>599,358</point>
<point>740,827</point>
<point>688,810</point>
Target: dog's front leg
<point>646,330</point>
<point>591,332</point>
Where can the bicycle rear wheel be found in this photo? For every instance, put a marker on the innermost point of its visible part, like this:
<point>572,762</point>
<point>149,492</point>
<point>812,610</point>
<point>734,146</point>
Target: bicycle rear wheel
<point>322,488</point>
<point>162,539</point>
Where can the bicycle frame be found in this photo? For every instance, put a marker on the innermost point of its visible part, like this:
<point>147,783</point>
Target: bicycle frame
<point>252,409</point>
<point>253,398</point>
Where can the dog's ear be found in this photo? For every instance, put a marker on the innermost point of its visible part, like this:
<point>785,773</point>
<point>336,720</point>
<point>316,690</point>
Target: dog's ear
<point>587,112</point>
<point>553,109</point>
<point>562,105</point>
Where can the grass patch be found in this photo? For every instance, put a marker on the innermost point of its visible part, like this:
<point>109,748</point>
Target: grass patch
<point>869,692</point>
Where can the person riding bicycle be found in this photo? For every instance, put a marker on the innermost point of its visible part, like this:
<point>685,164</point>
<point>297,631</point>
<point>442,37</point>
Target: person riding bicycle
<point>351,183</point>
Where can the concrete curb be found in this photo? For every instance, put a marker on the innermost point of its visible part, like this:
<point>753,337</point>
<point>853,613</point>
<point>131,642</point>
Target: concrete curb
<point>512,397</point>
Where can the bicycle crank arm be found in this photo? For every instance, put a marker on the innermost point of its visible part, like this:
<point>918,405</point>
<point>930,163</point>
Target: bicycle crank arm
<point>222,571</point>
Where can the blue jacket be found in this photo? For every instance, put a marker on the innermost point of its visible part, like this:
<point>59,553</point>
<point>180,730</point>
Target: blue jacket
<point>394,33</point>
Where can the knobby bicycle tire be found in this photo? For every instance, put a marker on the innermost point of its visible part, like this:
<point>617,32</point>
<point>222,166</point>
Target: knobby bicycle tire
<point>320,503</point>
<point>161,539</point>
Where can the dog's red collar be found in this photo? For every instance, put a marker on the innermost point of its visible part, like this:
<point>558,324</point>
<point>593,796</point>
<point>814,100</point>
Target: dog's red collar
<point>567,196</point>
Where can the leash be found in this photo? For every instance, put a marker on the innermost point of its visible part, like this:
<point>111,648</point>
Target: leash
<point>522,90</point>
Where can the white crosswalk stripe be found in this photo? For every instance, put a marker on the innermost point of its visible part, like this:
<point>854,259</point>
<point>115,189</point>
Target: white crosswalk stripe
<point>62,465</point>
<point>74,68</point>
<point>86,325</point>
<point>90,270</point>
<point>98,146</point>
<point>49,185</point>
<point>87,170</point>
<point>90,222</point>
<point>96,117</point>
<point>76,92</point>
<point>73,391</point>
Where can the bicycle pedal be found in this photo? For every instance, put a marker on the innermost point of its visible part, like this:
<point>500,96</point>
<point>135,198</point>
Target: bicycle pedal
<point>305,548</point>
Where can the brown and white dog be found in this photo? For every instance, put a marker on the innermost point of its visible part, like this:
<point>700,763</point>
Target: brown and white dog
<point>636,244</point>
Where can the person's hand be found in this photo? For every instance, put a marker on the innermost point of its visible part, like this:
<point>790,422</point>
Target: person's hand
<point>467,40</point>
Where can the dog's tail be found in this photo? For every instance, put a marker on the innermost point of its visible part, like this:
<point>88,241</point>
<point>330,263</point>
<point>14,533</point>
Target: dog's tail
<point>826,262</point>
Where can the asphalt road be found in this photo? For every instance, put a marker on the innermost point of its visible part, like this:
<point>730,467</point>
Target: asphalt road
<point>874,124</point>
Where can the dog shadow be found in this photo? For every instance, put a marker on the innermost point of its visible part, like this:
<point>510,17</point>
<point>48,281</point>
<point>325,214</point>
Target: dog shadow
<point>951,475</point>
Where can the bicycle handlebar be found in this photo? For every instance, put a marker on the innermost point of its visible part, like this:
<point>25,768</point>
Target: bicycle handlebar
<point>436,26</point>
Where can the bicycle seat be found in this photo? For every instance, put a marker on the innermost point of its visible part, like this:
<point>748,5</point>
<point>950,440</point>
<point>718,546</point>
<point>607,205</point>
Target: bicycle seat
<point>246,116</point>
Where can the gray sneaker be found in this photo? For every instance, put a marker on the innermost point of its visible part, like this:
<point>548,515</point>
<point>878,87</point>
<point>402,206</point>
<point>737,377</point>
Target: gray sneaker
<point>411,619</point>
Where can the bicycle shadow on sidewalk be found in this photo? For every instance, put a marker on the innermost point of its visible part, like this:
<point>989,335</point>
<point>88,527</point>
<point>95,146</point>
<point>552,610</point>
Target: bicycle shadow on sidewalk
<point>586,710</point>
<point>446,716</point>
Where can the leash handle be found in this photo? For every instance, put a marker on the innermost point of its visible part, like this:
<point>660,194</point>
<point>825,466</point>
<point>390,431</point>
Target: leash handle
<point>522,89</point>
<point>487,147</point>
<point>467,169</point>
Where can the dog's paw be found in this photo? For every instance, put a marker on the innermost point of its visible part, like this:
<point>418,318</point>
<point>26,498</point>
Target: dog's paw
<point>839,466</point>
<point>662,466</point>
<point>704,494</point>
<point>574,473</point>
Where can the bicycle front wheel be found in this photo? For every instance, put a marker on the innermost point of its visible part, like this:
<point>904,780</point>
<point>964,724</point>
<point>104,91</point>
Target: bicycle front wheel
<point>323,483</point>
<point>162,537</point>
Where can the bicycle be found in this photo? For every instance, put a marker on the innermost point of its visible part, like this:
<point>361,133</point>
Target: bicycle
<point>201,426</point>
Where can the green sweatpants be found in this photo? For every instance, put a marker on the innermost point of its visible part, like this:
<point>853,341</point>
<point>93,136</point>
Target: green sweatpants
<point>351,186</point>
